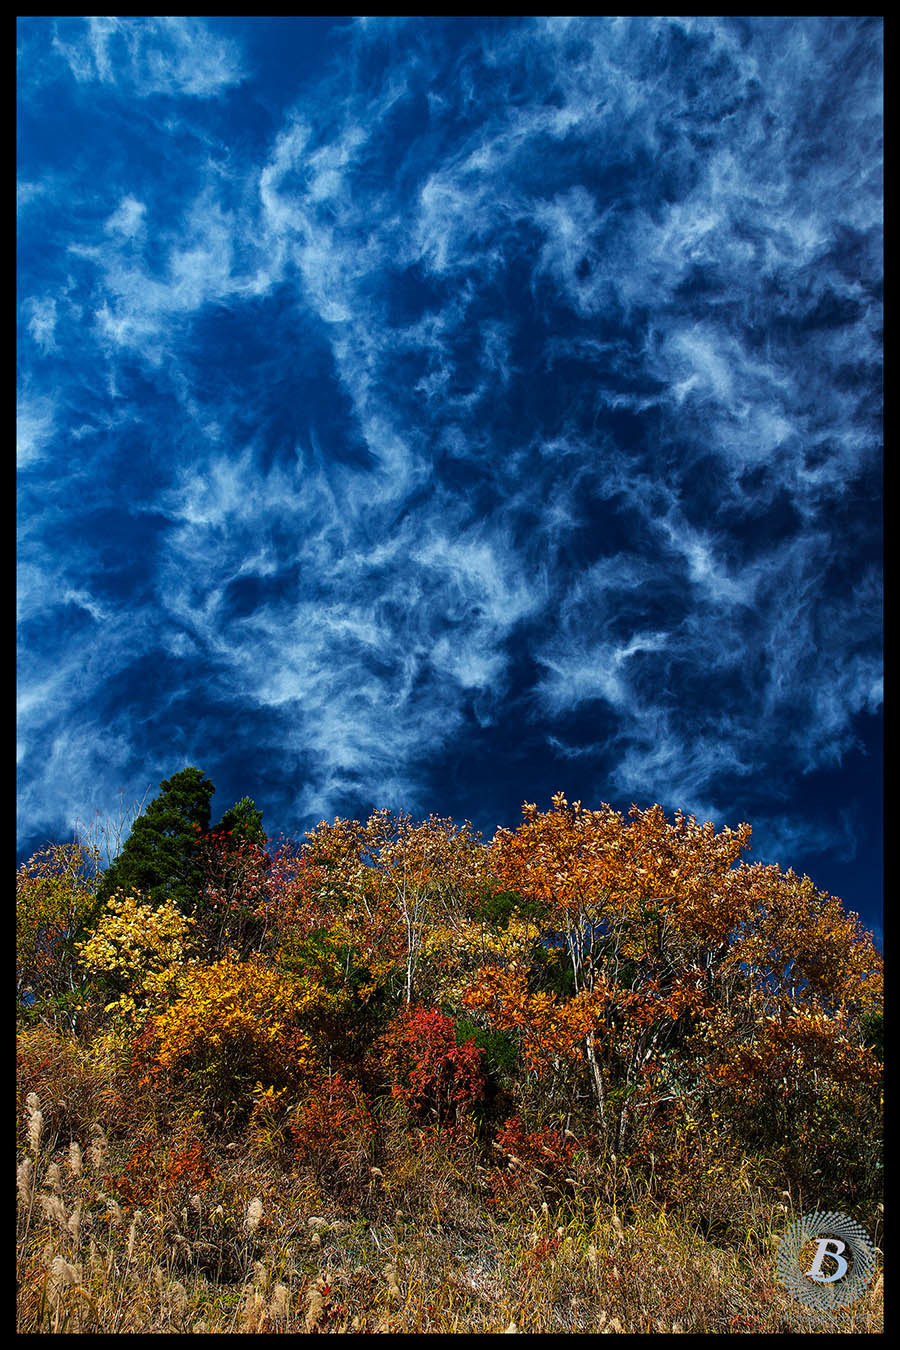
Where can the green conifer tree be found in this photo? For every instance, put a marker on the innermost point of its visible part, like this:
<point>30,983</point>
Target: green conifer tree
<point>245,822</point>
<point>158,858</point>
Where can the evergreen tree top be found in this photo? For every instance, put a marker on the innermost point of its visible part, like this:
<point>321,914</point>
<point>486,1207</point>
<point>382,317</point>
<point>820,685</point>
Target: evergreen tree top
<point>158,857</point>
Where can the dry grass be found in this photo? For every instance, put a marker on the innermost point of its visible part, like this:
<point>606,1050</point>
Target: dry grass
<point>262,1247</point>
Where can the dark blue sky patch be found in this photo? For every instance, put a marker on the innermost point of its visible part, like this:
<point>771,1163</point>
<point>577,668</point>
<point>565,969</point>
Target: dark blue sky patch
<point>146,686</point>
<point>238,358</point>
<point>484,773</point>
<point>409,294</point>
<point>118,552</point>
<point>58,625</point>
<point>245,595</point>
<point>755,531</point>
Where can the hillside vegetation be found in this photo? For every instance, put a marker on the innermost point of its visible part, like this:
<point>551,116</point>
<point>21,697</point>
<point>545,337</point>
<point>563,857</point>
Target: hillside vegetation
<point>577,1078</point>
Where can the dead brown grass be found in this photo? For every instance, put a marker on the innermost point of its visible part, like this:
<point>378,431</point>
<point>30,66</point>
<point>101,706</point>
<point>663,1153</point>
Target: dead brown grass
<point>269,1246</point>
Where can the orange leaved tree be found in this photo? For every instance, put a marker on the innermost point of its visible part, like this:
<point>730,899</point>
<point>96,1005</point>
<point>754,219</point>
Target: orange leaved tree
<point>403,877</point>
<point>677,958</point>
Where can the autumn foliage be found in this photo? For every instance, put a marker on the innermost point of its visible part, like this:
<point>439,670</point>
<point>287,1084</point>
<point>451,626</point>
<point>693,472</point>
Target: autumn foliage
<point>55,899</point>
<point>532,1156</point>
<point>228,1026</point>
<point>689,978</point>
<point>180,1168</point>
<point>429,1072</point>
<point>588,991</point>
<point>333,1130</point>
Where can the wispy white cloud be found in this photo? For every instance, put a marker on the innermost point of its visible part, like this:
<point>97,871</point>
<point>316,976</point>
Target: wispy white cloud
<point>599,672</point>
<point>128,218</point>
<point>42,322</point>
<point>27,192</point>
<point>161,55</point>
<point>35,427</point>
<point>592,312</point>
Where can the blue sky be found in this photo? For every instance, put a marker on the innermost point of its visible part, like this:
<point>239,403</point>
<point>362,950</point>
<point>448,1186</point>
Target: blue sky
<point>437,414</point>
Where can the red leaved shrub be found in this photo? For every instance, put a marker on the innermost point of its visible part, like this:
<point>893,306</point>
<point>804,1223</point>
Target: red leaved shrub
<point>153,1171</point>
<point>333,1131</point>
<point>437,1079</point>
<point>535,1157</point>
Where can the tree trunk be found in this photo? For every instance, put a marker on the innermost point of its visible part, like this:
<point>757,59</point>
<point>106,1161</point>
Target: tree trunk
<point>596,1078</point>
